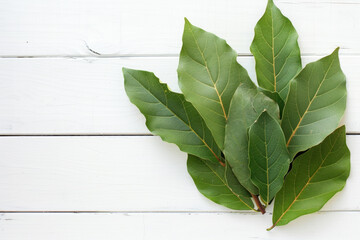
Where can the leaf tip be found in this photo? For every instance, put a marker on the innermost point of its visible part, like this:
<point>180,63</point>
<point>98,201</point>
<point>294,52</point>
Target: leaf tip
<point>264,113</point>
<point>336,51</point>
<point>342,127</point>
<point>187,22</point>
<point>270,3</point>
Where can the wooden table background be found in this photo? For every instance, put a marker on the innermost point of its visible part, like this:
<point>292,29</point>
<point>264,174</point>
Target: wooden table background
<point>76,161</point>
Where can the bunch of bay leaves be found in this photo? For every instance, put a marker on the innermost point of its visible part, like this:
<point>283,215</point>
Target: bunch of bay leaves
<point>249,145</point>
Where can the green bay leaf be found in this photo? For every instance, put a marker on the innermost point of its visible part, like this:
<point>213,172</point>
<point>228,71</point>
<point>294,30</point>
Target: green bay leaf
<point>276,51</point>
<point>315,104</point>
<point>269,159</point>
<point>315,177</point>
<point>276,97</point>
<point>219,184</point>
<point>246,106</point>
<point>208,76</point>
<point>169,116</point>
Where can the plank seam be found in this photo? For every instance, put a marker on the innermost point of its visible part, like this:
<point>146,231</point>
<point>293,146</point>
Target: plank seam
<point>100,135</point>
<point>100,56</point>
<point>160,212</point>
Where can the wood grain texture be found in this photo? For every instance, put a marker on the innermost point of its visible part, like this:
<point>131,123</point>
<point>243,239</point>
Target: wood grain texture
<point>176,226</point>
<point>86,95</point>
<point>121,27</point>
<point>115,174</point>
<point>74,86</point>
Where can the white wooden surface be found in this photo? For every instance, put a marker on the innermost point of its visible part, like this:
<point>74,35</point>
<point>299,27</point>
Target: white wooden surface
<point>86,95</point>
<point>110,174</point>
<point>175,226</point>
<point>138,27</point>
<point>76,161</point>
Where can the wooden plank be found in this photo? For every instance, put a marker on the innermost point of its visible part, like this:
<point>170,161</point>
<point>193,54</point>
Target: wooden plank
<point>176,226</point>
<point>86,95</point>
<point>121,27</point>
<point>115,174</point>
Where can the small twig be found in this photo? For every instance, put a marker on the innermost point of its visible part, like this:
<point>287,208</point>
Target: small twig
<point>258,203</point>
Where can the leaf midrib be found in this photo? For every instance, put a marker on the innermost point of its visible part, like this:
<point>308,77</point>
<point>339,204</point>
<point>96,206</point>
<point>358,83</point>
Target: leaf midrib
<point>308,182</point>
<point>225,184</point>
<point>207,69</point>
<point>307,109</point>
<point>189,126</point>
<point>267,166</point>
<point>272,48</point>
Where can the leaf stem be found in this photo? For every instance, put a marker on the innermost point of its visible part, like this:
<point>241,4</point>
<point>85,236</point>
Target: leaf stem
<point>258,203</point>
<point>271,227</point>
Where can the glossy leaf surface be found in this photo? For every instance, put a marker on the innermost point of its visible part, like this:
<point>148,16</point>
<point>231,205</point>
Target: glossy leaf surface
<point>315,105</point>
<point>314,178</point>
<point>276,51</point>
<point>269,159</point>
<point>219,184</point>
<point>247,105</point>
<point>208,76</point>
<point>169,116</point>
